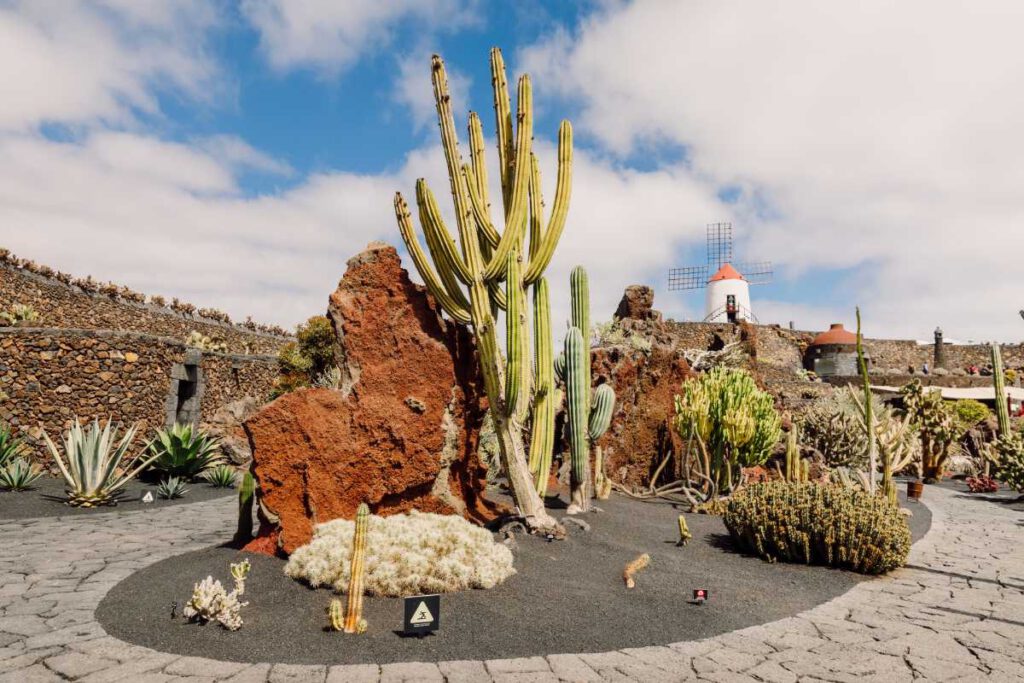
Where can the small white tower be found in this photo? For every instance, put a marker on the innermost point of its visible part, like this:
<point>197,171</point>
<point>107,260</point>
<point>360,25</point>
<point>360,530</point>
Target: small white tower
<point>728,297</point>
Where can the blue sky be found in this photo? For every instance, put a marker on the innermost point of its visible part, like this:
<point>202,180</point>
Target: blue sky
<point>237,153</point>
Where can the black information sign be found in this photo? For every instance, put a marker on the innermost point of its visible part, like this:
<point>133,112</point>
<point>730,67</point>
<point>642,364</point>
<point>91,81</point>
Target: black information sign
<point>422,615</point>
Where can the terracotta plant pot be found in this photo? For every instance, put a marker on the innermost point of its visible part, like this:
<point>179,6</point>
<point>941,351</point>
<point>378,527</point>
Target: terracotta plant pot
<point>915,489</point>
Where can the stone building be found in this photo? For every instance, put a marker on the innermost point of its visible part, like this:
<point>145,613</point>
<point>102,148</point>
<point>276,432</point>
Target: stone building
<point>833,353</point>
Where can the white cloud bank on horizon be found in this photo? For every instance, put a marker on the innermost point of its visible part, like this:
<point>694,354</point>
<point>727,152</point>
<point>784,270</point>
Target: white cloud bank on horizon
<point>879,135</point>
<point>903,158</point>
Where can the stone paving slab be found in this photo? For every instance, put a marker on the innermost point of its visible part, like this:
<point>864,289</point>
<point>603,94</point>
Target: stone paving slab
<point>956,613</point>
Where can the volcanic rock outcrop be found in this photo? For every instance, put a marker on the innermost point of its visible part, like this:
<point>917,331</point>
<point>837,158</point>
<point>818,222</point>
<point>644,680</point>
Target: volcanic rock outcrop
<point>646,383</point>
<point>402,430</point>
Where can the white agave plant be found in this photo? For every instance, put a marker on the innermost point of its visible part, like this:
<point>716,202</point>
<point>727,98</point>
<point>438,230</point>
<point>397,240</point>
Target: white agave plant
<point>96,470</point>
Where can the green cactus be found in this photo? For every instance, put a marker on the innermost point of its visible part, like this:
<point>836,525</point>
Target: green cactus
<point>734,423</point>
<point>998,379</point>
<point>792,455</point>
<point>336,614</point>
<point>465,279</point>
<point>869,417</point>
<point>578,413</point>
<point>354,622</point>
<point>246,498</point>
<point>545,401</point>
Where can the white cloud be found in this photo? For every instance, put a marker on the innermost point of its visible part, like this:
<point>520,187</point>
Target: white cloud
<point>877,135</point>
<point>80,63</point>
<point>329,36</point>
<point>239,154</point>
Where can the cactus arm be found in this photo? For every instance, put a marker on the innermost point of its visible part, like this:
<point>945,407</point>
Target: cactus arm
<point>357,574</point>
<point>601,411</point>
<point>452,306</point>
<point>503,125</point>
<point>246,495</point>
<point>536,207</point>
<point>578,404</point>
<point>480,212</point>
<point>563,191</point>
<point>337,615</point>
<point>543,424</point>
<point>998,386</point>
<point>515,219</point>
<point>479,187</point>
<point>448,256</point>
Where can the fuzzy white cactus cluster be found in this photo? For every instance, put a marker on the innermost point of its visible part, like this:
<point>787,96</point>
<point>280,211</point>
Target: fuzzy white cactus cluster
<point>211,602</point>
<point>405,555</point>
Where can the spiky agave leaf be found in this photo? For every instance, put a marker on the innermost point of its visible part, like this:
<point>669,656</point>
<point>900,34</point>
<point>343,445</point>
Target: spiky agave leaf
<point>19,474</point>
<point>11,446</point>
<point>171,488</point>
<point>183,451</point>
<point>93,462</point>
<point>221,476</point>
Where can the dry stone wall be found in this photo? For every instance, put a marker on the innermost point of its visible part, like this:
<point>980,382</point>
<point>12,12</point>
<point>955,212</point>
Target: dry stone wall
<point>49,376</point>
<point>66,306</point>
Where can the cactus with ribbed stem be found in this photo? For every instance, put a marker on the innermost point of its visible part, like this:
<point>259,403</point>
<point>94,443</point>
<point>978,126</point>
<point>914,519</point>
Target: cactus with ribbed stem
<point>998,379</point>
<point>246,498</point>
<point>354,622</point>
<point>684,532</point>
<point>792,454</point>
<point>336,613</point>
<point>869,417</point>
<point>545,401</point>
<point>466,278</point>
<point>589,413</point>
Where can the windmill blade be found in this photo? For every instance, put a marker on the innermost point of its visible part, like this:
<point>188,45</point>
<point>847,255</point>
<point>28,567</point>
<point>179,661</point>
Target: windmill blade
<point>693,277</point>
<point>719,244</point>
<point>755,272</point>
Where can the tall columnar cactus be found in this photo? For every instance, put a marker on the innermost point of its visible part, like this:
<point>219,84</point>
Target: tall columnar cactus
<point>998,379</point>
<point>466,279</point>
<point>246,498</point>
<point>577,366</point>
<point>589,413</point>
<point>354,622</point>
<point>545,401</point>
<point>792,472</point>
<point>869,418</point>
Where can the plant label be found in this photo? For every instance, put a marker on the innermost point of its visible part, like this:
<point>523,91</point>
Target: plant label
<point>700,595</point>
<point>422,614</point>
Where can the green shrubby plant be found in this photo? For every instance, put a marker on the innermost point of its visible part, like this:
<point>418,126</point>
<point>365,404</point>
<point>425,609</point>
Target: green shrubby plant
<point>221,476</point>
<point>937,426</point>
<point>309,360</point>
<point>406,554</point>
<point>184,451</point>
<point>97,466</point>
<point>970,412</point>
<point>19,474</point>
<point>835,526</point>
<point>171,488</point>
<point>19,313</point>
<point>11,445</point>
<point>734,423</point>
<point>611,333</point>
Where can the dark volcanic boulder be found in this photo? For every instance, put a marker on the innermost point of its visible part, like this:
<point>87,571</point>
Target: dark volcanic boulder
<point>402,431</point>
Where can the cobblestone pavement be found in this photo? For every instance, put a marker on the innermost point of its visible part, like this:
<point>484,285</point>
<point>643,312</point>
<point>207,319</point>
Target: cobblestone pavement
<point>955,614</point>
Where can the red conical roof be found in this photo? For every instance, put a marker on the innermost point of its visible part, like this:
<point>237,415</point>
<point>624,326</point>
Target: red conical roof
<point>835,334</point>
<point>726,272</point>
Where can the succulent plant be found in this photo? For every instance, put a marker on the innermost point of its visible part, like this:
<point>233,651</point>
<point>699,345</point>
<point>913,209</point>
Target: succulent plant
<point>684,532</point>
<point>11,445</point>
<point>221,476</point>
<point>184,451</point>
<point>19,474</point>
<point>97,469</point>
<point>467,281</point>
<point>819,524</point>
<point>19,313</point>
<point>629,574</point>
<point>171,488</point>
<point>246,500</point>
<point>354,622</point>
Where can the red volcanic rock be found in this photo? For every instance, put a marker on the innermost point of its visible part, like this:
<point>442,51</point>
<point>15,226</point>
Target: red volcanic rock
<point>637,304</point>
<point>402,431</point>
<point>641,432</point>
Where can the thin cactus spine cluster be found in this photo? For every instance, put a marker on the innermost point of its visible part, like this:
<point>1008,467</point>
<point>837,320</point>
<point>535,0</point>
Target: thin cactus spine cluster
<point>466,279</point>
<point>354,622</point>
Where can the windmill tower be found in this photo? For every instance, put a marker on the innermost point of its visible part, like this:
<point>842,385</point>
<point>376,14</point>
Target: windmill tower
<point>727,299</point>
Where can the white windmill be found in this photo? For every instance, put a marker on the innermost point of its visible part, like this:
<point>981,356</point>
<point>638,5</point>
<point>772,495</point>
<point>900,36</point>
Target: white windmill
<point>728,288</point>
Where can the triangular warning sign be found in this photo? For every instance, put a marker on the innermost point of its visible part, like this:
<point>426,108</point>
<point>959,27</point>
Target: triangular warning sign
<point>422,615</point>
